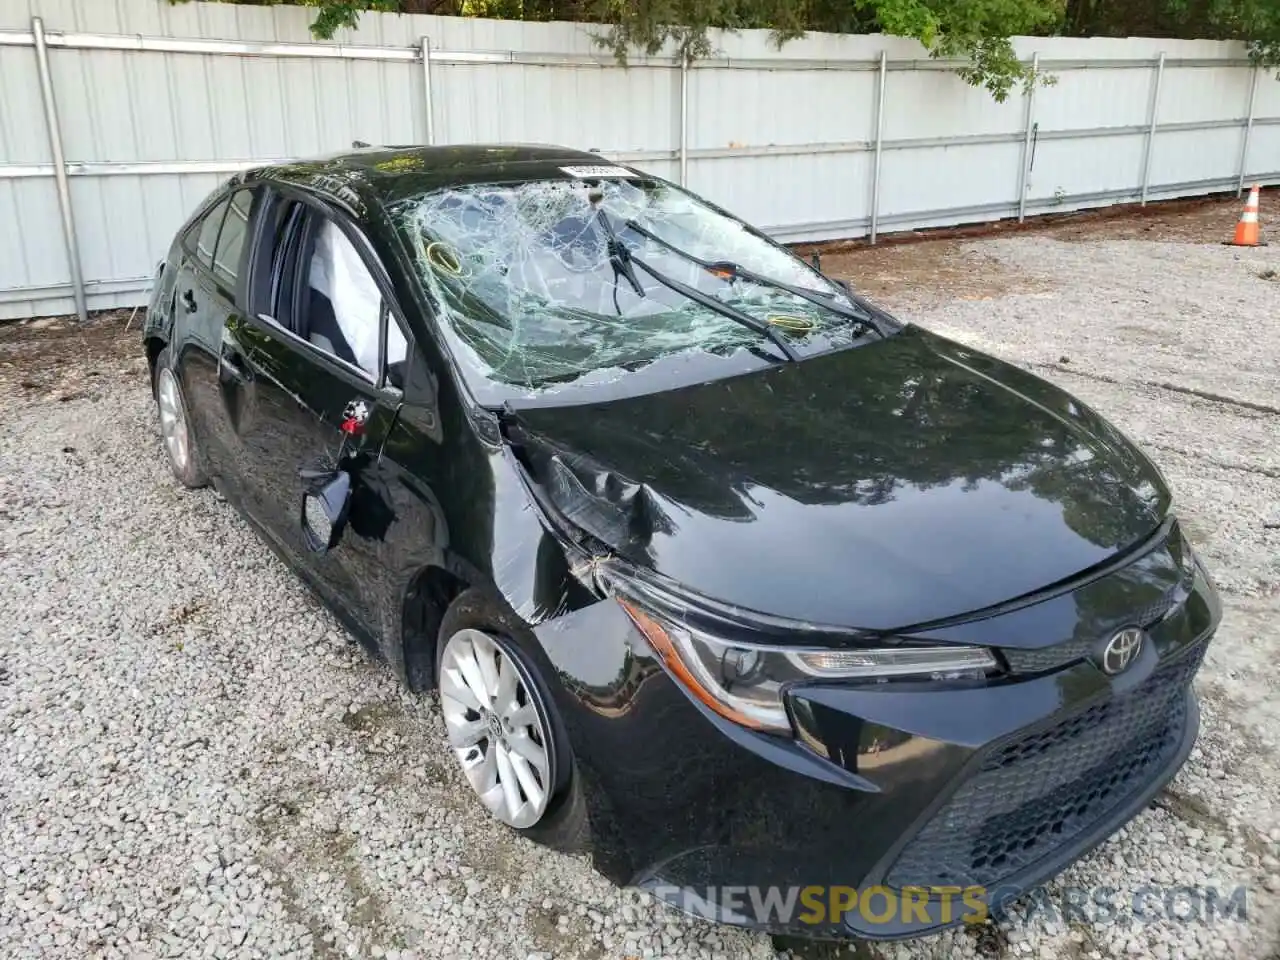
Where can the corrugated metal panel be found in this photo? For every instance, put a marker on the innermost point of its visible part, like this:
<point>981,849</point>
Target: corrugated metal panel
<point>32,255</point>
<point>1186,156</point>
<point>1066,168</point>
<point>929,104</point>
<point>1264,153</point>
<point>1081,99</point>
<point>785,138</point>
<point>1204,93</point>
<point>939,178</point>
<point>774,110</point>
<point>612,110</point>
<point>821,189</point>
<point>1268,102</point>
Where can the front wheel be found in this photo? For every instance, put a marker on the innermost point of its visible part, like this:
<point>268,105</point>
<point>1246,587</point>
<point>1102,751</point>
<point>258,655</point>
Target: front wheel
<point>504,731</point>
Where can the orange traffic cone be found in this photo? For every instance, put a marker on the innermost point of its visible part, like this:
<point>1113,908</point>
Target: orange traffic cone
<point>1247,230</point>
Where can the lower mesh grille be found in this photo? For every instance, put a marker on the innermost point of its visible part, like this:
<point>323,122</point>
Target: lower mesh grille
<point>1035,795</point>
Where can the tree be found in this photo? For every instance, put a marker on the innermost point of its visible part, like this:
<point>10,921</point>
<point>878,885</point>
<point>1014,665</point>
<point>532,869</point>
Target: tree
<point>977,32</point>
<point>335,15</point>
<point>1256,22</point>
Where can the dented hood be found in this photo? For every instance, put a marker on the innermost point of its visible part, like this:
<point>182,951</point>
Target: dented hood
<point>902,482</point>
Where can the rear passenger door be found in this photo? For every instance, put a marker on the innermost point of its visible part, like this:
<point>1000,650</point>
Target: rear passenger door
<point>331,352</point>
<point>206,314</point>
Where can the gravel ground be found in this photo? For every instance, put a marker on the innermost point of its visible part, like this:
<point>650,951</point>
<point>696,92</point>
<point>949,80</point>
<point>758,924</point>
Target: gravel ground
<point>195,759</point>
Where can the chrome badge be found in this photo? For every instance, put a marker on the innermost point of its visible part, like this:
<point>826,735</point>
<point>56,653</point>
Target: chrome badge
<point>1121,650</point>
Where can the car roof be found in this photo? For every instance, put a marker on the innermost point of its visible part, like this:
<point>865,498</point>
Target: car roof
<point>388,174</point>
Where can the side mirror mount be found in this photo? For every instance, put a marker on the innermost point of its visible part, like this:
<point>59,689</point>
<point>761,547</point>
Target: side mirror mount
<point>325,504</point>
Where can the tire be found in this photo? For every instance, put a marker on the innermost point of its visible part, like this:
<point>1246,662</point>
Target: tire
<point>178,440</point>
<point>563,825</point>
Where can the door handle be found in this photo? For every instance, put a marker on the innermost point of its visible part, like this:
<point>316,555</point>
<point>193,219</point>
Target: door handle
<point>189,299</point>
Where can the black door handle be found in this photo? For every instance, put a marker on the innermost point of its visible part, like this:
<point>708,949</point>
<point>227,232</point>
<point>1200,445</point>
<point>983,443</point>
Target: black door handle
<point>189,298</point>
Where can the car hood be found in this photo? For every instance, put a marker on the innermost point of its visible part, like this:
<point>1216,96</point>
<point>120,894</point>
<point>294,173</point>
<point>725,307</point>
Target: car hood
<point>895,484</point>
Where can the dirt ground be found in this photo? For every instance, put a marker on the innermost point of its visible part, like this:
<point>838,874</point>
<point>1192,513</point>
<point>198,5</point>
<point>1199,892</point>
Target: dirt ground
<point>56,358</point>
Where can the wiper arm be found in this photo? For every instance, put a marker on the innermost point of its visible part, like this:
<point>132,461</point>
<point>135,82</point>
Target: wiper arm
<point>629,261</point>
<point>619,255</point>
<point>711,303</point>
<point>727,268</point>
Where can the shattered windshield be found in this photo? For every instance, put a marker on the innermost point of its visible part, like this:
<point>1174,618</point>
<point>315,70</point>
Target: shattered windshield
<point>530,281</point>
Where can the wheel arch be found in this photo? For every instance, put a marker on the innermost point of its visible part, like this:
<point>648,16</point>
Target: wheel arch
<point>429,592</point>
<point>155,346</point>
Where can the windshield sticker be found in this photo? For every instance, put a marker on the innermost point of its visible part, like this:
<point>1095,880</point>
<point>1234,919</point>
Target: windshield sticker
<point>590,173</point>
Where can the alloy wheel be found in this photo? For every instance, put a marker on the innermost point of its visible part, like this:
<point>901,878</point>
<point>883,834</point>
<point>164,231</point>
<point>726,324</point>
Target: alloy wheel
<point>497,728</point>
<point>173,420</point>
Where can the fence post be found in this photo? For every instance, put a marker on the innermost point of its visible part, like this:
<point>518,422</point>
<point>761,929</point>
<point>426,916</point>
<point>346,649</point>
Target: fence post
<point>59,167</point>
<point>882,76</point>
<point>1248,129</point>
<point>427,100</point>
<point>1151,129</point>
<point>1025,175</point>
<point>684,120</point>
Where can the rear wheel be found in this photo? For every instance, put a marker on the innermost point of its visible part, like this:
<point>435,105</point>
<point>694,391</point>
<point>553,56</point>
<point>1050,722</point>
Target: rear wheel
<point>179,444</point>
<point>504,731</point>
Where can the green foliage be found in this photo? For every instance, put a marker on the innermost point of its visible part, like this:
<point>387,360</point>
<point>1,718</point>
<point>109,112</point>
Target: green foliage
<point>648,25</point>
<point>973,30</point>
<point>332,15</point>
<point>1256,21</point>
<point>976,32</point>
<point>336,14</point>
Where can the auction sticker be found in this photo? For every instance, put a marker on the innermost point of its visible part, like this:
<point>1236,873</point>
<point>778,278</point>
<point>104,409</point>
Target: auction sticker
<point>590,172</point>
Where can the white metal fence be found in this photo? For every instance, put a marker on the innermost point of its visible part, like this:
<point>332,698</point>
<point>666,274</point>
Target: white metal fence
<point>118,116</point>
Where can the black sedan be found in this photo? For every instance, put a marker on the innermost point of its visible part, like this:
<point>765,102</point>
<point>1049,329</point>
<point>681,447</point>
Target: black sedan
<point>791,613</point>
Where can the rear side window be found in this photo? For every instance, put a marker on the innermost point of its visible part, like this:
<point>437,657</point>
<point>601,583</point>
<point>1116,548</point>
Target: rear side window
<point>207,235</point>
<point>226,263</point>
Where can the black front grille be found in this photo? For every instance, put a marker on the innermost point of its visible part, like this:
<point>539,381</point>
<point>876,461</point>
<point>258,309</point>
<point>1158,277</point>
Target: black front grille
<point>1071,651</point>
<point>1048,658</point>
<point>1039,792</point>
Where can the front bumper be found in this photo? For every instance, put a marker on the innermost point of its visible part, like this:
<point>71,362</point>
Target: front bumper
<point>934,806</point>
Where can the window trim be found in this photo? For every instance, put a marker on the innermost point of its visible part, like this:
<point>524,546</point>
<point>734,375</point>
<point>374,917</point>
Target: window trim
<point>192,239</point>
<point>358,371</point>
<point>197,219</point>
<point>254,196</point>
<point>316,206</point>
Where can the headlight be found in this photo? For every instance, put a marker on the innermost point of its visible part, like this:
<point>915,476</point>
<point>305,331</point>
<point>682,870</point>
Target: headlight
<point>745,684</point>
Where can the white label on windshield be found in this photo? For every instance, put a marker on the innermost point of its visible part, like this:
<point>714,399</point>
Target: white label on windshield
<point>600,171</point>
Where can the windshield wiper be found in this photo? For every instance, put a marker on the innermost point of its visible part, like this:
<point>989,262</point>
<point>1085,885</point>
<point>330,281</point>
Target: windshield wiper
<point>619,257</point>
<point>726,269</point>
<point>627,262</point>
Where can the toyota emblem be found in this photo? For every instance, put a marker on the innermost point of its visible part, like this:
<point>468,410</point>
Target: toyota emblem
<point>1121,650</point>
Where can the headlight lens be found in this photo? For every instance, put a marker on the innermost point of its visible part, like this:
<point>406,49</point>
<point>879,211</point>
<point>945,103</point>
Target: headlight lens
<point>744,684</point>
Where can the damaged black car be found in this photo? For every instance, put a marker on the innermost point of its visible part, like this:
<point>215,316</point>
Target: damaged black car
<point>762,596</point>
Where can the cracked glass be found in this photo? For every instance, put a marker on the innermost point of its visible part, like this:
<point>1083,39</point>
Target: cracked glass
<point>524,276</point>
